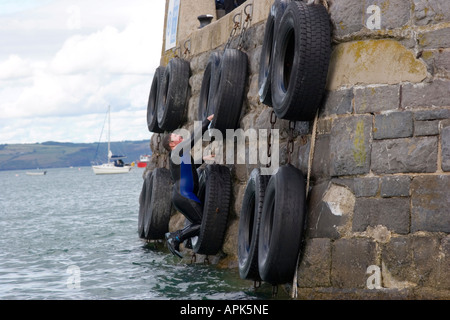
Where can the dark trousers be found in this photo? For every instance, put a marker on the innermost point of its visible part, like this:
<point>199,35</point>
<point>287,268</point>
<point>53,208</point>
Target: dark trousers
<point>192,210</point>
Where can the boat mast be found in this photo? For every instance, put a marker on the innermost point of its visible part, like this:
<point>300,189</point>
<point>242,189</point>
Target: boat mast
<point>109,133</point>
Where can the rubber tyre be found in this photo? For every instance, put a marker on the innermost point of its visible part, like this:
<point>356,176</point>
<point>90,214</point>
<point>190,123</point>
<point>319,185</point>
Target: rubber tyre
<point>142,205</point>
<point>282,225</point>
<point>300,62</point>
<point>216,200</point>
<point>207,90</point>
<point>265,68</point>
<point>174,93</point>
<point>152,106</point>
<point>159,204</point>
<point>229,89</point>
<point>249,223</point>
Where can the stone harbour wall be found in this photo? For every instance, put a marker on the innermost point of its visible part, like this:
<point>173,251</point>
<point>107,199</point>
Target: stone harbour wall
<point>378,211</point>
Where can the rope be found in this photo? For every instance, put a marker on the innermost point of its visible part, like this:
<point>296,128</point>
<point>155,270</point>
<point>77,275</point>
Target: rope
<point>294,293</point>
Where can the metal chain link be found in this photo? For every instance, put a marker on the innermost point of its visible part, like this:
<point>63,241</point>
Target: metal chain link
<point>245,25</point>
<point>237,19</point>
<point>290,144</point>
<point>233,32</point>
<point>273,120</point>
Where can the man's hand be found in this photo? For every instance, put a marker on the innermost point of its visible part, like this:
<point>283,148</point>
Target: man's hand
<point>210,117</point>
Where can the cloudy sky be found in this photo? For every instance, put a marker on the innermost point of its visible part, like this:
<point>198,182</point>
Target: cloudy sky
<point>62,62</point>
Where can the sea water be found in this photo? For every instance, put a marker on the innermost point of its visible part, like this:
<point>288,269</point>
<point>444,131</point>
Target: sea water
<point>71,234</point>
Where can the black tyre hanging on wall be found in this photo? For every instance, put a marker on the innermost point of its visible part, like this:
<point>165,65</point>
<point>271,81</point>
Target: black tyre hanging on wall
<point>158,204</point>
<point>249,223</point>
<point>215,194</point>
<point>265,74</point>
<point>282,225</point>
<point>229,88</point>
<point>174,94</point>
<point>300,61</point>
<point>207,90</point>
<point>142,205</point>
<point>152,106</point>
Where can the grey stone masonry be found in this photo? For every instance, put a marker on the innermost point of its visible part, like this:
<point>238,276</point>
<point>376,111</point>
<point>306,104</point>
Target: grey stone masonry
<point>350,145</point>
<point>316,263</point>
<point>445,142</point>
<point>392,213</point>
<point>376,99</point>
<point>431,11</point>
<point>393,125</point>
<point>351,254</point>
<point>434,94</point>
<point>417,260</point>
<point>351,16</point>
<point>430,198</point>
<point>338,102</point>
<point>395,186</point>
<point>418,155</point>
<point>435,39</point>
<point>426,128</point>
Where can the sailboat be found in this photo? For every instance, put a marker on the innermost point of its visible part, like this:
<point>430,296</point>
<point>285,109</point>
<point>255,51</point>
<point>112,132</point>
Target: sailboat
<point>115,163</point>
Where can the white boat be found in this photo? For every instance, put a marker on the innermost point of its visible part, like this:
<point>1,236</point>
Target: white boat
<point>36,173</point>
<point>115,163</point>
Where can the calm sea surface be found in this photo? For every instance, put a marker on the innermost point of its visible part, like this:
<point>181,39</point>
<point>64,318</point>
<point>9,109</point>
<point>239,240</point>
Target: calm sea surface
<point>73,235</point>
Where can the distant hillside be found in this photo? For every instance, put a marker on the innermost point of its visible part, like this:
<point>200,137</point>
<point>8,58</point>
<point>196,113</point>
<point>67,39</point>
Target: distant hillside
<point>58,155</point>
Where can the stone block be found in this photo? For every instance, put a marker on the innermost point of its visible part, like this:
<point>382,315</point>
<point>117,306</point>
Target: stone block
<point>377,99</point>
<point>432,114</point>
<point>392,213</point>
<point>350,145</point>
<point>350,259</point>
<point>315,265</point>
<point>330,209</point>
<point>393,125</point>
<point>430,199</point>
<point>433,94</point>
<point>442,278</point>
<point>438,62</point>
<point>395,186</point>
<point>361,187</point>
<point>435,39</point>
<point>338,102</point>
<point>431,11</point>
<point>405,155</point>
<point>426,128</point>
<point>349,16</point>
<point>445,147</point>
<point>321,161</point>
<point>410,261</point>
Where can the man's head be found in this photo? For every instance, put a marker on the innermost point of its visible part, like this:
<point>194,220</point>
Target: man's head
<point>171,140</point>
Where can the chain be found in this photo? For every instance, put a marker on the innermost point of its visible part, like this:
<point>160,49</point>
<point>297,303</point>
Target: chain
<point>237,19</point>
<point>273,120</point>
<point>187,47</point>
<point>237,25</point>
<point>290,144</point>
<point>245,25</point>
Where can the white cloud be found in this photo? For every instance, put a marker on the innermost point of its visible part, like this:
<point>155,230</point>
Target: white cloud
<point>100,63</point>
<point>15,67</point>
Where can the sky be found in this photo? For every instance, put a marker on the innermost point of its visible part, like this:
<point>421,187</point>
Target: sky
<point>63,62</point>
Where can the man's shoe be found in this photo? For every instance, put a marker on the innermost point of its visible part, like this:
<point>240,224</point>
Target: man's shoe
<point>173,243</point>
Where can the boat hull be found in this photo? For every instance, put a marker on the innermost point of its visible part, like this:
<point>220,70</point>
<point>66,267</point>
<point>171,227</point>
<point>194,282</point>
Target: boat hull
<point>36,173</point>
<point>110,169</point>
